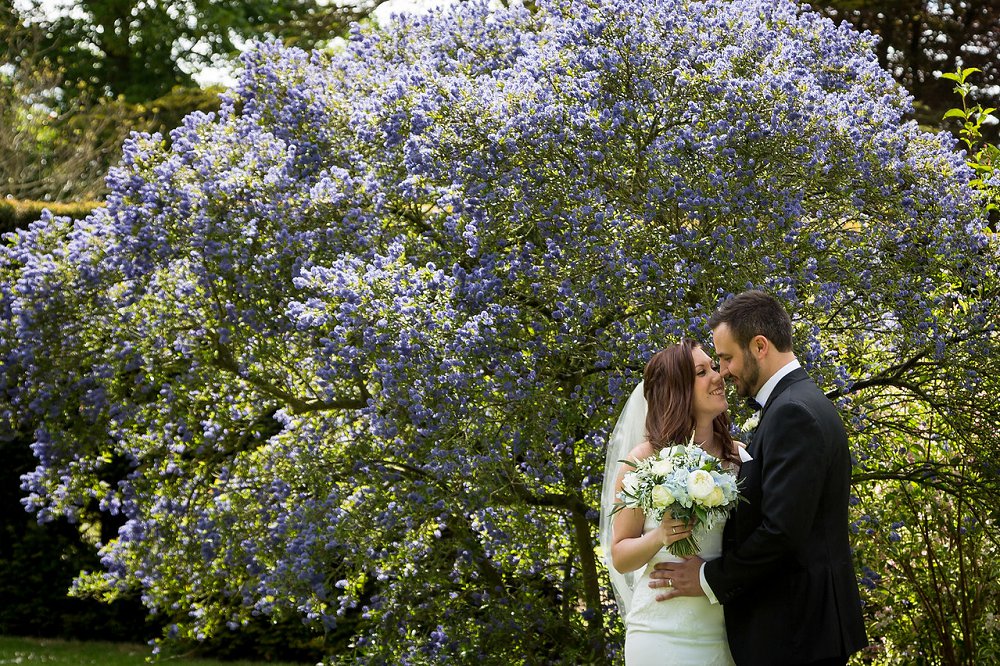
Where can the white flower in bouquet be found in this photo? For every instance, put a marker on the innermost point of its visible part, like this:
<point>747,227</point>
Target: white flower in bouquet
<point>700,485</point>
<point>630,484</point>
<point>661,497</point>
<point>663,466</point>
<point>715,498</point>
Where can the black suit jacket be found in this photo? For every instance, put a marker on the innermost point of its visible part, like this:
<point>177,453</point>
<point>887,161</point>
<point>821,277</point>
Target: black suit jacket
<point>785,578</point>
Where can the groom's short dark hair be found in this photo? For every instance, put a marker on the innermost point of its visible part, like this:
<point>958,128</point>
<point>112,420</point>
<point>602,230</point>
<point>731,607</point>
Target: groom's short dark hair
<point>754,313</point>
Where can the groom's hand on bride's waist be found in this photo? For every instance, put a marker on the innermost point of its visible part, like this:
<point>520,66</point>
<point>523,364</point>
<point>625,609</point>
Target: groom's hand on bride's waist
<point>677,579</point>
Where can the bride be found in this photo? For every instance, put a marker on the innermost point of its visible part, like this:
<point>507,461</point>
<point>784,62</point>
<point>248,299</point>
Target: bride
<point>684,392</point>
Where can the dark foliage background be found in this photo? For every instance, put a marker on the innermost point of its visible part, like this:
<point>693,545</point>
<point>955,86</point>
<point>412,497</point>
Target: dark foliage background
<point>920,39</point>
<point>38,564</point>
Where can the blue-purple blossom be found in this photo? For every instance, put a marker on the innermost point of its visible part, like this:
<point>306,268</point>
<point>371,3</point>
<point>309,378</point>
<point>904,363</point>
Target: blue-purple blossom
<point>360,337</point>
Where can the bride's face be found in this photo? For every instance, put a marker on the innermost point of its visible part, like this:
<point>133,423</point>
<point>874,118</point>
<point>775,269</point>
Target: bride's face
<point>709,387</point>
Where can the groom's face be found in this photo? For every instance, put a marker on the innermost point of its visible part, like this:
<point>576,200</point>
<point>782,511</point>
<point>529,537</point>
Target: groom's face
<point>736,364</point>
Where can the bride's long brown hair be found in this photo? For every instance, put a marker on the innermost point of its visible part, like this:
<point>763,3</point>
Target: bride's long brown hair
<point>668,384</point>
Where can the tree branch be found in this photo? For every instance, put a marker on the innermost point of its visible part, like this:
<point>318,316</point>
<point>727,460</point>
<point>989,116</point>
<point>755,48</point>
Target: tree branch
<point>224,360</point>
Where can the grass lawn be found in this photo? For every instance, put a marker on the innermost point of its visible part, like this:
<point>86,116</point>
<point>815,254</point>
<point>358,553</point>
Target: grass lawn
<point>30,651</point>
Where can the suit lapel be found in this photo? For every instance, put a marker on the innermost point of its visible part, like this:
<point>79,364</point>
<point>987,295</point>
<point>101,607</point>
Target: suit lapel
<point>753,446</point>
<point>793,377</point>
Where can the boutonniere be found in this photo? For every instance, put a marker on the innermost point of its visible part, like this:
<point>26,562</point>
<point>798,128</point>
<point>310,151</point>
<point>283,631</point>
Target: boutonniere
<point>751,423</point>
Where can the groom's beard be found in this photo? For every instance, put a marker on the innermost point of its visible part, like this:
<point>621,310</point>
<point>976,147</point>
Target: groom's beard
<point>749,377</point>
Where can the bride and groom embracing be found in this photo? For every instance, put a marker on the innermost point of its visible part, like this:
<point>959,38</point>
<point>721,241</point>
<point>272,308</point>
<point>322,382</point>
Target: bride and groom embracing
<point>774,583</point>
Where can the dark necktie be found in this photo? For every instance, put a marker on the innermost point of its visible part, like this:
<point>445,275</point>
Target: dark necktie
<point>753,404</point>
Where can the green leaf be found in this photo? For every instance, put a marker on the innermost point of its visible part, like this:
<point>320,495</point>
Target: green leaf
<point>955,113</point>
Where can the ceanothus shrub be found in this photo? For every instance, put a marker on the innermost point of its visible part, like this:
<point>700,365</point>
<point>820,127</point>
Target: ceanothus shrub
<point>357,340</point>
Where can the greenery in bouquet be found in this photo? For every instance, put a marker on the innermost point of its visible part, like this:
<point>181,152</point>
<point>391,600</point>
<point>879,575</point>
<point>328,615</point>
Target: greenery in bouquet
<point>685,480</point>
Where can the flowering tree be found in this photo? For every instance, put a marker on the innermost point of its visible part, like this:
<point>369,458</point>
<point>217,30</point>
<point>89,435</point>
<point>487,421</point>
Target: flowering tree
<point>925,517</point>
<point>352,347</point>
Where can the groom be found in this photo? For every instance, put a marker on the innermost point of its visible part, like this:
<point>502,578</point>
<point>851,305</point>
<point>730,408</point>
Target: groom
<point>785,577</point>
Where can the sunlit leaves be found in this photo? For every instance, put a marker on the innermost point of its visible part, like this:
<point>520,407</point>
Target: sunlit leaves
<point>364,332</point>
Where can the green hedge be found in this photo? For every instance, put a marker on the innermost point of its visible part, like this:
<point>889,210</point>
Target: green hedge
<point>17,214</point>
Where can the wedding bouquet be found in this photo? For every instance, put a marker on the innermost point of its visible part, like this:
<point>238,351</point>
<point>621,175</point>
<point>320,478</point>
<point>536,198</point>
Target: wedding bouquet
<point>684,480</point>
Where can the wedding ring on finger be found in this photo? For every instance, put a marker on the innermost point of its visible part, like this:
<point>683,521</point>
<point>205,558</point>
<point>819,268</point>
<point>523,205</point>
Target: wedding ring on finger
<point>670,582</point>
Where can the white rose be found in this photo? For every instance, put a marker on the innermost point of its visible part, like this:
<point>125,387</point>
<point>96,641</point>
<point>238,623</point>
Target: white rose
<point>663,466</point>
<point>662,498</point>
<point>630,483</point>
<point>700,484</point>
<point>751,423</point>
<point>715,498</point>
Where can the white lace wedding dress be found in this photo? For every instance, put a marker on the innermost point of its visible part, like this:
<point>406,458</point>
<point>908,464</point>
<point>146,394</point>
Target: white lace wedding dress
<point>683,631</point>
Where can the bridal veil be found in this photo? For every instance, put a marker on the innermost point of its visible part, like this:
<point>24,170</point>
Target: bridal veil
<point>628,432</point>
